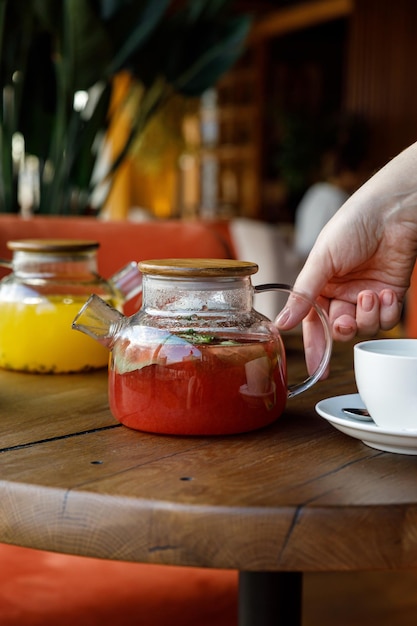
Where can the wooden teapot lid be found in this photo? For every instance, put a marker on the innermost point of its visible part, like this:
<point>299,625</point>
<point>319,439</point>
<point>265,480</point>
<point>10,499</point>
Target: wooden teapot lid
<point>198,268</point>
<point>52,245</point>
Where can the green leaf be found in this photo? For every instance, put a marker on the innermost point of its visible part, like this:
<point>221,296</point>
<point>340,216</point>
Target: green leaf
<point>131,27</point>
<point>108,8</point>
<point>38,103</point>
<point>191,48</point>
<point>84,150</point>
<point>49,13</point>
<point>206,9</point>
<point>212,61</point>
<point>86,48</point>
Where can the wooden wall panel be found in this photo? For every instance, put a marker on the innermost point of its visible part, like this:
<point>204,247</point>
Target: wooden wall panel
<point>381,78</point>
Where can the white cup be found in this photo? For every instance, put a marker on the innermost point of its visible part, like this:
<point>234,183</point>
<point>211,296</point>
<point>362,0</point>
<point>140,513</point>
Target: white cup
<point>386,377</point>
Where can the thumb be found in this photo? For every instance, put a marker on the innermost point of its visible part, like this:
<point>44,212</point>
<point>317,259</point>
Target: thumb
<point>310,281</point>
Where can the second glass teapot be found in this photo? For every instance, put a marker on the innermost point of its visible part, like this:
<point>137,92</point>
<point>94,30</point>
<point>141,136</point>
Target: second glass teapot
<point>49,282</point>
<point>197,359</point>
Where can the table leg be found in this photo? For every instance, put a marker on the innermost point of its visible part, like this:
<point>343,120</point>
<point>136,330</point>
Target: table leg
<point>270,598</point>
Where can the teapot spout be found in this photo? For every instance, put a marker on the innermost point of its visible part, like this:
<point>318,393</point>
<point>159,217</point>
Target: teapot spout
<point>99,320</point>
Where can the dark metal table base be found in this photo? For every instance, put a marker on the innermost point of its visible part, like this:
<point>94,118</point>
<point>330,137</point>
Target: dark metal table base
<point>270,598</point>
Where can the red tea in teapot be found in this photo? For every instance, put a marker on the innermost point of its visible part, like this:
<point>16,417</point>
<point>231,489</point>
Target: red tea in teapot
<point>198,384</point>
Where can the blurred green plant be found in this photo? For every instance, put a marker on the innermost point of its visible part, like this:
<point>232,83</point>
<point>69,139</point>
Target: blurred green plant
<point>298,155</point>
<point>58,61</point>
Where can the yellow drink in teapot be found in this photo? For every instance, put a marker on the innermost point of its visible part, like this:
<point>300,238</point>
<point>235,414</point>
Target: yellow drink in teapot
<point>36,336</point>
<point>51,280</point>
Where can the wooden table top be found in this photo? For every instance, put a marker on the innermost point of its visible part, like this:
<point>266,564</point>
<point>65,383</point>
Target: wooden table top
<point>296,496</point>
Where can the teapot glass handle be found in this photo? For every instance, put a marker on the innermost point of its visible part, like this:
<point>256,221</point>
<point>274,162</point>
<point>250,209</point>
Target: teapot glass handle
<point>294,390</point>
<point>128,281</point>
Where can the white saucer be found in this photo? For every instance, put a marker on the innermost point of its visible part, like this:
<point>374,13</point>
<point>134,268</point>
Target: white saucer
<point>399,441</point>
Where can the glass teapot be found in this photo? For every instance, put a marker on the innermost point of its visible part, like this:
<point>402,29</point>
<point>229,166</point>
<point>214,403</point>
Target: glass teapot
<point>197,359</point>
<point>50,280</point>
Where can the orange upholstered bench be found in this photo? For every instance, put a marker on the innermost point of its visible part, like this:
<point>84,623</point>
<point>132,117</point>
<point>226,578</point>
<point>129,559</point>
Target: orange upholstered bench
<point>45,589</point>
<point>410,316</point>
<point>121,241</point>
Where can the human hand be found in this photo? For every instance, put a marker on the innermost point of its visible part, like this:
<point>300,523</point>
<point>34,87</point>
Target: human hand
<point>358,271</point>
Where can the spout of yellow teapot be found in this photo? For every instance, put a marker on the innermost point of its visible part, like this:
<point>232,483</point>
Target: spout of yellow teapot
<point>99,320</point>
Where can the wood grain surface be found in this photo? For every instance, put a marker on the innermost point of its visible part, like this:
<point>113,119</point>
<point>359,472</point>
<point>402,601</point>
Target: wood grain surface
<point>296,496</point>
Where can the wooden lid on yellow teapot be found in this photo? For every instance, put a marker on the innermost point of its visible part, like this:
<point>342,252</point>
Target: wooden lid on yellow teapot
<point>52,245</point>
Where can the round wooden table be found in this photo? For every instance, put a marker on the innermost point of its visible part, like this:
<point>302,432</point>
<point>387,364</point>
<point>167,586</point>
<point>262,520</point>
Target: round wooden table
<point>295,497</point>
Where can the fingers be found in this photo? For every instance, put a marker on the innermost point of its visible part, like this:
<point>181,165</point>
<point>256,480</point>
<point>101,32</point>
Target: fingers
<point>314,343</point>
<point>368,313</point>
<point>389,309</point>
<point>342,317</point>
<point>309,284</point>
<point>376,312</point>
<point>293,312</point>
<point>373,312</point>
<point>344,328</point>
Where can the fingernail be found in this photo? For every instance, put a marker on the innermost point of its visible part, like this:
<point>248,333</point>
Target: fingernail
<point>367,302</point>
<point>344,330</point>
<point>283,317</point>
<point>387,298</point>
